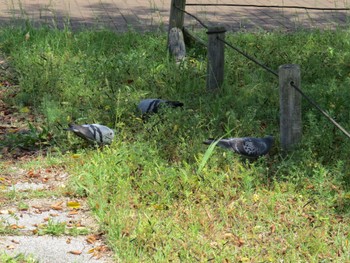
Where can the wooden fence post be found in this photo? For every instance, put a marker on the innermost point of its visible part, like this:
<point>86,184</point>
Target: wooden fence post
<point>176,18</point>
<point>290,106</point>
<point>216,57</point>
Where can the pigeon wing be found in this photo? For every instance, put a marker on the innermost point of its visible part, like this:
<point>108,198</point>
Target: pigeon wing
<point>253,147</point>
<point>83,131</point>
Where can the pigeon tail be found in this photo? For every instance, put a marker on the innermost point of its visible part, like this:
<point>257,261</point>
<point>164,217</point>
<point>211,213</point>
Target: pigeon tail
<point>174,104</point>
<point>209,141</point>
<point>149,106</point>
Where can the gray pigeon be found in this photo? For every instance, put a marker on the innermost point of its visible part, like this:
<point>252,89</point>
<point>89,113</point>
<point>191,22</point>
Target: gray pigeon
<point>147,106</point>
<point>93,133</point>
<point>246,146</point>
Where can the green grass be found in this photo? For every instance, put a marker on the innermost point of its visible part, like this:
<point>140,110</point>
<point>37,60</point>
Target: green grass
<point>19,258</point>
<point>160,194</point>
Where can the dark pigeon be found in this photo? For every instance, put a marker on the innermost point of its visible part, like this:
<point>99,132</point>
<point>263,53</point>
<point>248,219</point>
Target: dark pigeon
<point>148,106</point>
<point>93,133</point>
<point>246,146</point>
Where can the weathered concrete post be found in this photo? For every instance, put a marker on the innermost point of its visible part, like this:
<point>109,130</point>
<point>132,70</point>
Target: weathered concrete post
<point>216,57</point>
<point>176,44</point>
<point>290,106</point>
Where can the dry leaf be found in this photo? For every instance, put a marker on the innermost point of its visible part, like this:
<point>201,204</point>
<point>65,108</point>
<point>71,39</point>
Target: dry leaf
<point>75,252</point>
<point>14,226</point>
<point>273,229</point>
<point>57,206</point>
<point>10,247</point>
<point>24,110</point>
<point>27,36</point>
<point>91,250</point>
<point>240,242</point>
<point>73,212</point>
<point>73,204</point>
<point>91,239</point>
<point>32,174</point>
<point>68,240</point>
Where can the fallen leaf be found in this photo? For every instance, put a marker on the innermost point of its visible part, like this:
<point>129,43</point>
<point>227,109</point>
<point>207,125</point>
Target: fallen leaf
<point>76,156</point>
<point>73,212</point>
<point>57,206</point>
<point>73,204</point>
<point>273,229</point>
<point>24,110</point>
<point>75,252</point>
<point>14,226</point>
<point>45,179</point>
<point>240,242</point>
<point>68,241</point>
<point>15,241</point>
<point>91,250</point>
<point>32,174</point>
<point>10,247</point>
<point>91,239</point>
<point>27,36</point>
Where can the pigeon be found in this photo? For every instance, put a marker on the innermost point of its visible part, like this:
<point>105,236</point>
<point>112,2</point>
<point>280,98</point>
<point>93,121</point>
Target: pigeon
<point>93,133</point>
<point>246,146</point>
<point>148,106</point>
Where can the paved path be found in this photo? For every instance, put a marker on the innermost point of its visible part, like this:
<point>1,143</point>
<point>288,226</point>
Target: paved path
<point>147,15</point>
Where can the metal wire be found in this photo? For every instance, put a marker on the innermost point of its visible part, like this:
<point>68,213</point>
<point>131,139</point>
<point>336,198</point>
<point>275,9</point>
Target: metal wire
<point>272,71</point>
<point>196,18</point>
<point>274,6</point>
<point>320,110</point>
<point>249,57</point>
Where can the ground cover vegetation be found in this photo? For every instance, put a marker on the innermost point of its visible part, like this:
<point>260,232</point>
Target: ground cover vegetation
<point>158,193</point>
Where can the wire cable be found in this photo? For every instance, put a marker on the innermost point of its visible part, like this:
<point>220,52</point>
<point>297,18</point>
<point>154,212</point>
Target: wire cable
<point>274,6</point>
<point>196,18</point>
<point>249,57</point>
<point>320,110</point>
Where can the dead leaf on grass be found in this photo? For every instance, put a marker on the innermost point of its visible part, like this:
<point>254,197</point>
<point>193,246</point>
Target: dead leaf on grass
<point>75,252</point>
<point>10,247</point>
<point>73,212</point>
<point>73,204</point>
<point>91,239</point>
<point>57,206</point>
<point>14,226</point>
<point>32,174</point>
<point>273,229</point>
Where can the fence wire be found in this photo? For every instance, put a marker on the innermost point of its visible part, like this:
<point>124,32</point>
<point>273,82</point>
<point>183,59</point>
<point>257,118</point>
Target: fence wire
<point>191,15</point>
<point>275,6</point>
<point>312,102</point>
<point>249,57</point>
